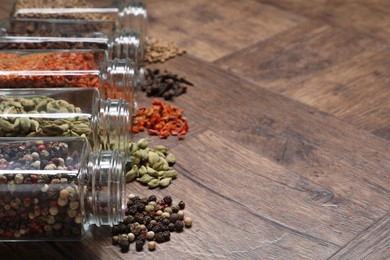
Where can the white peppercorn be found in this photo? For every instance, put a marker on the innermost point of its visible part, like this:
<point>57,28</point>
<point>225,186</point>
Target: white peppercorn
<point>152,245</point>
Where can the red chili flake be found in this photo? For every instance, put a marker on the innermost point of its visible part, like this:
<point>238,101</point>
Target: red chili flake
<point>161,119</point>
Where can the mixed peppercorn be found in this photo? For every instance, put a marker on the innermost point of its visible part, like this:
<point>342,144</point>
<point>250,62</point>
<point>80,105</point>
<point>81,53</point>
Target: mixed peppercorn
<point>39,206</point>
<point>149,220</point>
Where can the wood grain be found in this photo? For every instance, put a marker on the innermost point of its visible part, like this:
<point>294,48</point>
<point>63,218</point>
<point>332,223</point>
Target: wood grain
<point>211,30</point>
<point>288,151</point>
<point>313,69</point>
<point>334,91</point>
<point>371,244</point>
<point>366,17</point>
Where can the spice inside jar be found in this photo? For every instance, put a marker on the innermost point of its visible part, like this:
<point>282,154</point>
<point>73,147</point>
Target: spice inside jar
<point>68,69</point>
<point>47,188</point>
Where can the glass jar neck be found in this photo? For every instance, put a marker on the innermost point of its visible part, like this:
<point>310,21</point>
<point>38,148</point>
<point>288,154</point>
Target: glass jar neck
<point>118,79</point>
<point>127,45</point>
<point>114,124</point>
<point>103,199</point>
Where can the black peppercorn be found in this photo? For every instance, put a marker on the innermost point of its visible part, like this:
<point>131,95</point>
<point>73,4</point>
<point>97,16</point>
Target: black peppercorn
<point>129,203</point>
<point>122,228</point>
<point>129,219</point>
<point>181,205</point>
<point>165,221</point>
<point>173,217</point>
<point>179,225</point>
<point>138,217</point>
<point>166,235</point>
<point>156,229</point>
<point>175,209</point>
<point>115,230</point>
<point>115,240</point>
<point>159,237</point>
<point>168,200</point>
<point>132,210</point>
<point>147,219</point>
<point>139,245</point>
<point>164,228</point>
<point>124,245</point>
<point>171,227</point>
<point>140,208</point>
<point>152,198</point>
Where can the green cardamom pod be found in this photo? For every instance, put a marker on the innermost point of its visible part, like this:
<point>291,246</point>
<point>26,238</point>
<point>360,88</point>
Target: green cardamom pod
<point>6,126</point>
<point>170,174</point>
<point>136,161</point>
<point>153,158</point>
<point>131,144</point>
<point>142,170</point>
<point>33,112</point>
<point>153,183</point>
<point>35,134</point>
<point>137,154</point>
<point>144,154</point>
<point>15,104</point>
<point>165,182</point>
<point>145,179</point>
<point>170,159</point>
<point>159,166</point>
<point>81,128</point>
<point>135,168</point>
<point>162,155</point>
<point>16,126</point>
<point>152,172</point>
<point>142,143</point>
<point>52,129</point>
<point>131,175</point>
<point>41,106</point>
<point>37,100</point>
<point>165,163</point>
<point>34,125</point>
<point>28,104</point>
<point>25,124</point>
<point>71,133</point>
<point>161,148</point>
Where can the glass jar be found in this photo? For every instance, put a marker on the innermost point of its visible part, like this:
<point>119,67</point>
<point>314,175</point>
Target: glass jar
<point>66,112</point>
<point>56,188</point>
<point>126,14</point>
<point>68,68</point>
<point>124,45</point>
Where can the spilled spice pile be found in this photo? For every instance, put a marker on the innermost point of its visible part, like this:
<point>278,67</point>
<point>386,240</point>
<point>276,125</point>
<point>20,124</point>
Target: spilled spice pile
<point>151,166</point>
<point>149,220</point>
<point>160,51</point>
<point>164,84</point>
<point>161,119</point>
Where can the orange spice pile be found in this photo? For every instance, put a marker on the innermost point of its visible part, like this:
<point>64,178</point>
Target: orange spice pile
<point>161,119</point>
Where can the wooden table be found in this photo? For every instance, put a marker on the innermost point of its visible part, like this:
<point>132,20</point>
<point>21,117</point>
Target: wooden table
<point>288,154</point>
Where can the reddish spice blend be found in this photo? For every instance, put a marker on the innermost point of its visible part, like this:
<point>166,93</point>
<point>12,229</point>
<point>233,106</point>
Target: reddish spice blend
<point>161,119</point>
<point>47,70</point>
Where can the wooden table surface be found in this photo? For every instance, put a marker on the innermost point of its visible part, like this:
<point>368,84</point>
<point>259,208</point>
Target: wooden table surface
<point>288,154</point>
